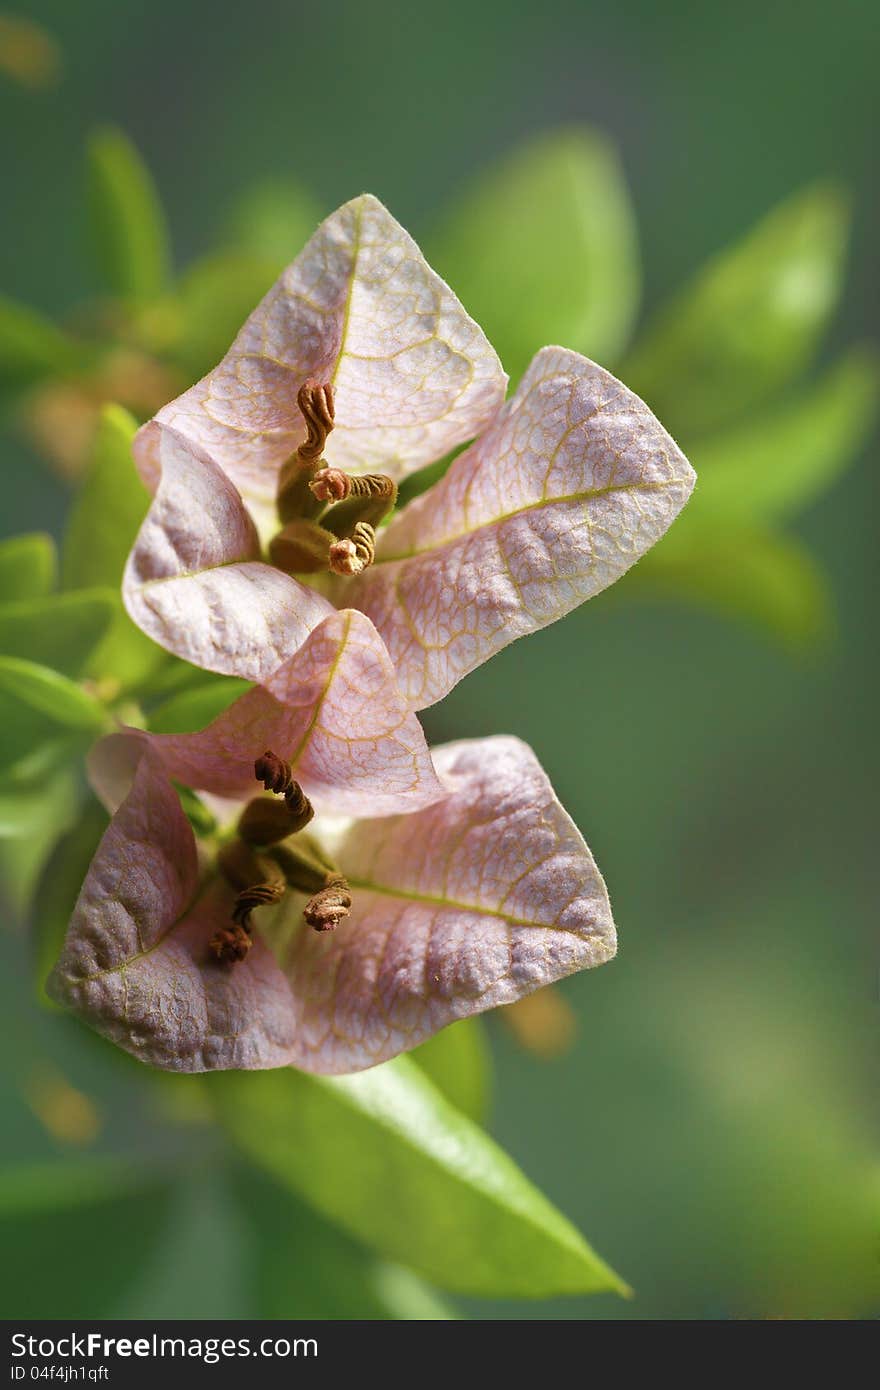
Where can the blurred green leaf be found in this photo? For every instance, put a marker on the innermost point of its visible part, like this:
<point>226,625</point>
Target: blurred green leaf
<point>23,800</point>
<point>200,817</point>
<point>766,579</point>
<point>23,731</point>
<point>31,348</point>
<point>126,656</point>
<point>174,676</point>
<point>31,820</point>
<point>61,879</point>
<point>792,1183</point>
<point>106,1215</point>
<point>542,249</point>
<point>48,692</point>
<point>783,459</point>
<point>457,1061</point>
<point>272,220</point>
<point>127,221</point>
<point>749,322</point>
<point>62,630</point>
<point>216,296</point>
<point>388,1158</point>
<point>108,509</point>
<point>27,566</point>
<point>301,1266</point>
<point>104,521</point>
<point>191,710</point>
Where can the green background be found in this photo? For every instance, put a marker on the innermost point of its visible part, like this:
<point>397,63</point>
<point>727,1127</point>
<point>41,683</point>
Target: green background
<point>715,1124</point>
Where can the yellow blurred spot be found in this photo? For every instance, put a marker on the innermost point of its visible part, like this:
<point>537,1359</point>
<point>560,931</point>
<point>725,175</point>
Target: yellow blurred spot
<point>28,53</point>
<point>61,418</point>
<point>64,1112</point>
<point>543,1023</point>
<point>61,422</point>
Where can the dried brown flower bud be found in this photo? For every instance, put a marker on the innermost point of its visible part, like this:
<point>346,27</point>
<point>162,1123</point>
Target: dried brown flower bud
<point>327,908</point>
<point>230,944</point>
<point>274,773</point>
<point>331,485</point>
<point>353,555</point>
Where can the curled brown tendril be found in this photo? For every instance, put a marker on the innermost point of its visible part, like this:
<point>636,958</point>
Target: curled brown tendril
<point>293,498</point>
<point>259,883</point>
<point>266,822</point>
<point>231,944</point>
<point>318,410</point>
<point>259,895</point>
<point>335,485</point>
<point>328,907</point>
<point>356,552</point>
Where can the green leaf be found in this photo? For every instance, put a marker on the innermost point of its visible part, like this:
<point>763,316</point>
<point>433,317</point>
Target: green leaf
<point>272,220</point>
<point>387,1157</point>
<point>62,630</point>
<point>216,295</point>
<point>104,521</point>
<point>24,799</point>
<point>542,249</point>
<point>765,579</point>
<point>128,224</point>
<point>31,820</point>
<point>106,1216</point>
<point>127,658</point>
<point>750,320</point>
<point>457,1060</point>
<point>174,676</point>
<point>27,566</point>
<point>300,1266</point>
<point>785,458</point>
<point>191,710</point>
<point>200,817</point>
<point>24,731</point>
<point>48,692</point>
<point>31,348</point>
<point>108,509</point>
<point>61,879</point>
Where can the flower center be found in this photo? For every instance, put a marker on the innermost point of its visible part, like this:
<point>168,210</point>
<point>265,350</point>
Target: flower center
<point>329,517</point>
<point>270,855</point>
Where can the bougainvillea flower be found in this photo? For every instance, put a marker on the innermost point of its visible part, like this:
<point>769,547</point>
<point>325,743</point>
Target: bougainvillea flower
<point>275,475</point>
<point>331,946</point>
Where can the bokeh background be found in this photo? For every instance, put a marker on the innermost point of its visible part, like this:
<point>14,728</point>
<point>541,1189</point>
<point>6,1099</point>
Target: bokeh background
<point>713,1127</point>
